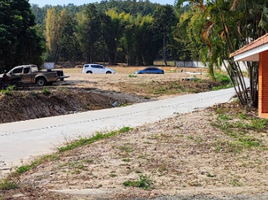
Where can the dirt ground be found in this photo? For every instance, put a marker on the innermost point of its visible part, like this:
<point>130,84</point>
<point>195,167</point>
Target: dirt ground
<point>83,92</point>
<point>220,152</point>
<point>122,77</point>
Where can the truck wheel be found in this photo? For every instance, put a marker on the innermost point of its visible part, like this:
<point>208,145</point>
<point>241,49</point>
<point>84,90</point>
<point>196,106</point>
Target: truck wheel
<point>108,72</point>
<point>89,72</point>
<point>41,81</point>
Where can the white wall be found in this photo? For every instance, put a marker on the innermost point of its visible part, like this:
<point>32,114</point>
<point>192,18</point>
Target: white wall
<point>198,64</point>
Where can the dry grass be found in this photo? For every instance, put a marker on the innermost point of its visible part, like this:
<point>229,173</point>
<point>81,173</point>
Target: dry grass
<point>191,152</point>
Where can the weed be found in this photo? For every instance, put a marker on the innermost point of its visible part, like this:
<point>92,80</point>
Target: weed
<point>210,175</point>
<point>73,145</point>
<point>259,124</point>
<point>248,142</point>
<point>113,175</point>
<point>132,76</point>
<point>144,183</point>
<point>236,183</point>
<point>190,137</point>
<point>224,117</point>
<point>228,147</point>
<point>33,93</point>
<point>242,115</point>
<point>127,149</point>
<point>46,91</point>
<point>125,129</point>
<point>95,138</point>
<point>126,160</point>
<point>8,91</point>
<point>8,185</point>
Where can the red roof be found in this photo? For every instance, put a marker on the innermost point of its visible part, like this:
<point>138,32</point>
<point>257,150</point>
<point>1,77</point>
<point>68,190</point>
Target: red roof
<point>256,43</point>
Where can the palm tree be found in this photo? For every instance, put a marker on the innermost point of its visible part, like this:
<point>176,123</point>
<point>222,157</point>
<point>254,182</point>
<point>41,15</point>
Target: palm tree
<point>220,27</point>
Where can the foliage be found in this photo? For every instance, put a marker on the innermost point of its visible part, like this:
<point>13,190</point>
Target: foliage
<point>113,31</point>
<point>144,183</point>
<point>95,138</point>
<point>8,90</point>
<point>218,28</point>
<point>7,185</point>
<point>20,42</point>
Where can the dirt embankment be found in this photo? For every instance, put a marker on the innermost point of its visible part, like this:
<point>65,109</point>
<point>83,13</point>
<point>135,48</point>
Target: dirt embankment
<point>18,106</point>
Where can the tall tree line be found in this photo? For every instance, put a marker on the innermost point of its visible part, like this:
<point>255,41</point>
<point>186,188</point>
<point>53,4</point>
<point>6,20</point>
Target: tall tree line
<point>132,32</point>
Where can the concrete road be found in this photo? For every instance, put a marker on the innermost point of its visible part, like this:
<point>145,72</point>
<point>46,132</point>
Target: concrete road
<point>22,140</point>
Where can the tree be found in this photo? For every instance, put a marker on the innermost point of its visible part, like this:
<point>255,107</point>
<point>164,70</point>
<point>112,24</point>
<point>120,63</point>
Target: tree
<point>19,39</point>
<point>164,19</point>
<point>88,30</point>
<point>219,28</point>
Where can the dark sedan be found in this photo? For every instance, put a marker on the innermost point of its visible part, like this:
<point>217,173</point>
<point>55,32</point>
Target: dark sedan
<point>150,70</point>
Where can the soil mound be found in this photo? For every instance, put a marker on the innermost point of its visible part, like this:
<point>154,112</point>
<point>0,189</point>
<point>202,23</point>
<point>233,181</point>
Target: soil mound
<point>19,106</point>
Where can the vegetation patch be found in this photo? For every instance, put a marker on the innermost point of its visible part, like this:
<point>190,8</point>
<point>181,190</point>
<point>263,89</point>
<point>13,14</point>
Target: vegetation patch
<point>75,144</point>
<point>160,88</point>
<point>144,183</point>
<point>7,184</point>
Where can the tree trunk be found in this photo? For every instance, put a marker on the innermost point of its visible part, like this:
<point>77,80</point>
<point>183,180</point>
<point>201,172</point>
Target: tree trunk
<point>164,50</point>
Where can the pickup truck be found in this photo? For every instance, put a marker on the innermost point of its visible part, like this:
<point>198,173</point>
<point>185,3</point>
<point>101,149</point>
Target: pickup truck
<point>30,74</point>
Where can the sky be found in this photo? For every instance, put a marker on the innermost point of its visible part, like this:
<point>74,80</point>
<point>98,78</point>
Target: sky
<point>80,2</point>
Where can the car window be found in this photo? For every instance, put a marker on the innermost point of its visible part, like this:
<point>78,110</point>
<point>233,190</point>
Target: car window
<point>100,67</point>
<point>94,66</point>
<point>17,71</point>
<point>149,69</point>
<point>34,69</point>
<point>26,70</point>
<point>86,65</point>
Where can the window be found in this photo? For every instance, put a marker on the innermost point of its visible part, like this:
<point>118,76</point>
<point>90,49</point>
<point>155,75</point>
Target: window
<point>26,70</point>
<point>94,66</point>
<point>34,69</point>
<point>100,67</point>
<point>17,71</point>
<point>86,65</point>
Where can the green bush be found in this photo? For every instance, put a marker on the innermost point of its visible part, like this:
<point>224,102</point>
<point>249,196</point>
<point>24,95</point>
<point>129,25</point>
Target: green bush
<point>224,79</point>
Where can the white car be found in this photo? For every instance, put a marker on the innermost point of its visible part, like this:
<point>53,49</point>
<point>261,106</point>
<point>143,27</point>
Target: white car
<point>96,69</point>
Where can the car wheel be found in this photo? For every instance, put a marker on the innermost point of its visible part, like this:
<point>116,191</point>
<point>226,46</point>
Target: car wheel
<point>89,72</point>
<point>41,81</point>
<point>108,72</point>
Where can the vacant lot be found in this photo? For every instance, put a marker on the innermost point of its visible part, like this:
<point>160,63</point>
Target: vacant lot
<point>220,152</point>
<point>152,86</point>
<point>83,92</point>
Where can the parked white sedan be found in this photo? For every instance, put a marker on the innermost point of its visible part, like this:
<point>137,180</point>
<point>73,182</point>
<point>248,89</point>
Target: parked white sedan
<point>96,69</point>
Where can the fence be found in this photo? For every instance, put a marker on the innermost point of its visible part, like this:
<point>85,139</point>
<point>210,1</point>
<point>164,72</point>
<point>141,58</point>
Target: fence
<point>198,64</point>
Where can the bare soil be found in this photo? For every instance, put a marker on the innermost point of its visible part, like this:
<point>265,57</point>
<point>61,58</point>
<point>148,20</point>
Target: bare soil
<point>83,92</point>
<point>219,153</point>
<point>124,75</point>
<point>24,105</point>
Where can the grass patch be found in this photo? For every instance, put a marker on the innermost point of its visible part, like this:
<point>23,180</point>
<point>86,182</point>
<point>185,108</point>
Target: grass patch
<point>144,183</point>
<point>132,76</point>
<point>95,138</point>
<point>78,143</point>
<point>46,91</point>
<point>8,185</point>
<point>126,160</point>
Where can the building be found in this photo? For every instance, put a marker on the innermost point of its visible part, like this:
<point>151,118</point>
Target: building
<point>258,51</point>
